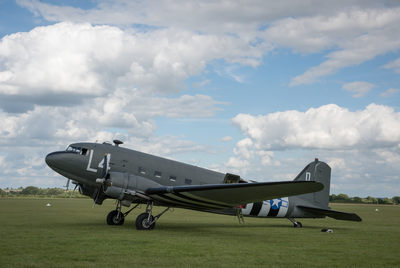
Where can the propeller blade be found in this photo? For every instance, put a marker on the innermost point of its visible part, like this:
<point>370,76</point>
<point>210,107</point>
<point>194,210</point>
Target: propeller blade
<point>104,182</point>
<point>105,166</point>
<point>76,186</point>
<point>67,185</point>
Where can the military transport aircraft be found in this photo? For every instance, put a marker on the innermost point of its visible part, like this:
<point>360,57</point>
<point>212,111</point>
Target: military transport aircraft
<point>109,171</point>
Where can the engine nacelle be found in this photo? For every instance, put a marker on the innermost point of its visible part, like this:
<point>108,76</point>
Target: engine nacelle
<point>124,186</point>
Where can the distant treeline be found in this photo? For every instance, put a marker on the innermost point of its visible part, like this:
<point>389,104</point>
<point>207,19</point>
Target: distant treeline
<point>344,198</point>
<point>58,192</point>
<point>39,192</point>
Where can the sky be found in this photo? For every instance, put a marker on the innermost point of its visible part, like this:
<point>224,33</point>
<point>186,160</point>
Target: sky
<point>255,88</point>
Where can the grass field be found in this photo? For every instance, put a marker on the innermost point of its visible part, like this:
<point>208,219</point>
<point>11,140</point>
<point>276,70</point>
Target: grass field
<point>71,233</point>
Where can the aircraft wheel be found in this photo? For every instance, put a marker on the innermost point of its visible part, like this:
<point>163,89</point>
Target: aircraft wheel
<point>142,222</point>
<point>114,219</point>
<point>297,225</point>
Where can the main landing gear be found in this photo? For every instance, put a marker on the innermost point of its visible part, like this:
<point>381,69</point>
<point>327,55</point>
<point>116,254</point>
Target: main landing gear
<point>296,224</point>
<point>144,221</point>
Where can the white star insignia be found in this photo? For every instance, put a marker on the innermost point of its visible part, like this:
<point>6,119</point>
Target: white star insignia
<point>275,203</point>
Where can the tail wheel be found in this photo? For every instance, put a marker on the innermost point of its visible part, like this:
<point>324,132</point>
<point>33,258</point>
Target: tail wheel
<point>144,222</point>
<point>115,217</point>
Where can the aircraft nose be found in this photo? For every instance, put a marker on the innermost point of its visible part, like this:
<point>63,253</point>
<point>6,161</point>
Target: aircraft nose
<point>50,159</point>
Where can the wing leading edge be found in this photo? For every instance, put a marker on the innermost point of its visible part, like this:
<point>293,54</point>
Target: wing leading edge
<point>219,196</point>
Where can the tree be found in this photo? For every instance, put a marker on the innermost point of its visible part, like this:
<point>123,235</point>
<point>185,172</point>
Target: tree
<point>30,190</point>
<point>53,191</point>
<point>371,200</point>
<point>396,199</point>
<point>385,201</point>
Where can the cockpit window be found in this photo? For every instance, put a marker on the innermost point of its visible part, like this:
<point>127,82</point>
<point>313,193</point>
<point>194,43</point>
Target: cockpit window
<point>78,150</point>
<point>74,149</point>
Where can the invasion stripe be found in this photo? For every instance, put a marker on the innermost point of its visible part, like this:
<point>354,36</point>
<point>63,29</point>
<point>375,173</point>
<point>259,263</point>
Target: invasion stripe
<point>188,194</point>
<point>202,201</point>
<point>163,200</point>
<point>184,203</point>
<point>273,212</point>
<point>168,201</point>
<point>183,198</point>
<point>256,208</point>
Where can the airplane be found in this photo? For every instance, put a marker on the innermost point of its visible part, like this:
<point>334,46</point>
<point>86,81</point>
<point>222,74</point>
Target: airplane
<point>105,170</point>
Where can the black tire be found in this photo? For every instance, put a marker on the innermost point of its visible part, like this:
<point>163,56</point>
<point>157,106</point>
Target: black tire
<point>142,222</point>
<point>115,218</point>
<point>298,225</point>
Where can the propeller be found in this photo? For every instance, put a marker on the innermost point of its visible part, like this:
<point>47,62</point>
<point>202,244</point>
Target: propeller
<point>67,185</point>
<point>104,181</point>
<point>76,186</point>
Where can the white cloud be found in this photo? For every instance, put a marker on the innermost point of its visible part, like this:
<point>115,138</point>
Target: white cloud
<point>352,31</point>
<point>242,148</point>
<point>237,165</point>
<point>226,138</point>
<point>394,65</point>
<point>359,88</point>
<point>389,92</point>
<point>354,35</point>
<point>81,60</point>
<point>267,158</point>
<point>337,163</point>
<point>362,147</point>
<point>326,127</point>
<point>210,16</point>
<point>387,156</point>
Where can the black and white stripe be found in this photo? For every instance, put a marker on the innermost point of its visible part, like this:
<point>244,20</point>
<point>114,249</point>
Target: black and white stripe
<point>188,200</point>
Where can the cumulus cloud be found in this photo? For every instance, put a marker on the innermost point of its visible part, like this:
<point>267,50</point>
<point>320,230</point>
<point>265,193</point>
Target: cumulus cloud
<point>237,165</point>
<point>75,61</point>
<point>352,31</point>
<point>75,81</point>
<point>210,16</point>
<point>326,127</point>
<point>359,88</point>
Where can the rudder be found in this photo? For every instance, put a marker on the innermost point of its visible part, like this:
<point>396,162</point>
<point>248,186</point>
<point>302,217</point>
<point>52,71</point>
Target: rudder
<point>320,172</point>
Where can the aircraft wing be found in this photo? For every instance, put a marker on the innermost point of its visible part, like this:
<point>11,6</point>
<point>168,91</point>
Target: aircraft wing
<point>339,215</point>
<point>219,196</point>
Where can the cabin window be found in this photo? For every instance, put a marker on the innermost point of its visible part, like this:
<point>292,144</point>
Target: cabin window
<point>142,171</point>
<point>157,174</point>
<point>84,151</point>
<point>172,178</point>
<point>188,181</point>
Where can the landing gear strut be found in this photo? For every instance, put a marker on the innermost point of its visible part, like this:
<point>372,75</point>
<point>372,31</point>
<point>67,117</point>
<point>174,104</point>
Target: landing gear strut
<point>146,221</point>
<point>296,224</point>
<point>116,217</point>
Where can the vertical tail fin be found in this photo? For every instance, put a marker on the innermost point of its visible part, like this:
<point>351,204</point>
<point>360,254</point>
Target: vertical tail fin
<point>321,172</point>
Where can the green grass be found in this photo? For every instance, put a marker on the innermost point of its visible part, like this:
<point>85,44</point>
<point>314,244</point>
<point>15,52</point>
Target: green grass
<point>71,233</point>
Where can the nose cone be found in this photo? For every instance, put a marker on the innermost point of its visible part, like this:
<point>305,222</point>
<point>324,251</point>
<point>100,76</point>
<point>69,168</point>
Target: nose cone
<point>56,161</point>
<point>50,159</point>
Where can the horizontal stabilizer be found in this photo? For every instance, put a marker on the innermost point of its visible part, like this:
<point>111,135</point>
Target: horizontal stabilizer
<point>234,194</point>
<point>332,213</point>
